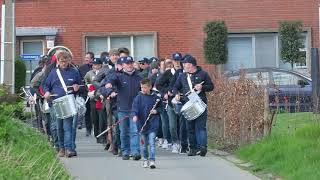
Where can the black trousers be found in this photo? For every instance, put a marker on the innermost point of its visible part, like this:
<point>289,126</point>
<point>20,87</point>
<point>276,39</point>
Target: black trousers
<point>88,117</point>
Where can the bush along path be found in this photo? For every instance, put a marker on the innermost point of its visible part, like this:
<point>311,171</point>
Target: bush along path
<point>25,153</point>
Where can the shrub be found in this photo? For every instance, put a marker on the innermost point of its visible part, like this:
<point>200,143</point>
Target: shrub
<point>20,75</point>
<point>215,43</point>
<point>291,41</point>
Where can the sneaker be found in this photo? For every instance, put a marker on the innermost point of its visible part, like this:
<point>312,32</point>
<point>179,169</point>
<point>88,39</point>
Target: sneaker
<point>203,152</point>
<point>183,150</point>
<point>169,146</point>
<point>145,164</point>
<point>175,148</point>
<point>136,157</point>
<point>125,157</point>
<point>61,153</point>
<point>152,165</point>
<point>79,126</point>
<point>165,144</point>
<point>70,154</point>
<point>115,151</point>
<point>120,153</point>
<point>192,152</point>
<point>160,142</point>
<point>107,147</point>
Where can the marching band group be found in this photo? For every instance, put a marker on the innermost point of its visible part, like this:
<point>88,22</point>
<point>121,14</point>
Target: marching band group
<point>126,103</point>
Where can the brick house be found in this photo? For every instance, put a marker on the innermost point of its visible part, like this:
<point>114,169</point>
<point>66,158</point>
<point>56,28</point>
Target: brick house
<point>159,28</point>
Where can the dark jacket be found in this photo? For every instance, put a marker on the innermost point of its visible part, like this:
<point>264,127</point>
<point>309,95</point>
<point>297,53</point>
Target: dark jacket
<point>175,78</point>
<point>53,85</point>
<point>141,107</point>
<point>182,86</point>
<point>103,74</point>
<point>84,69</point>
<point>127,87</point>
<point>163,82</point>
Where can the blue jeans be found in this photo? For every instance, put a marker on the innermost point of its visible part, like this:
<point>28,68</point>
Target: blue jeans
<point>165,125</point>
<point>65,133</point>
<point>74,132</point>
<point>172,124</point>
<point>149,140</point>
<point>129,135</point>
<point>197,132</point>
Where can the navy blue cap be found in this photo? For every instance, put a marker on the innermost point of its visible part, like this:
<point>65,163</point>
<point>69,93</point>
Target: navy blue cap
<point>105,60</point>
<point>189,59</point>
<point>125,60</point>
<point>143,60</point>
<point>96,61</point>
<point>177,56</point>
<point>153,59</point>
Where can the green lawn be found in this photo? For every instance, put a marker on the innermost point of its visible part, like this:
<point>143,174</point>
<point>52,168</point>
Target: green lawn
<point>24,152</point>
<point>292,151</point>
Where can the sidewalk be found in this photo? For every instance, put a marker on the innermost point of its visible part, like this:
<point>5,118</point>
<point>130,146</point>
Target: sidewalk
<point>93,163</point>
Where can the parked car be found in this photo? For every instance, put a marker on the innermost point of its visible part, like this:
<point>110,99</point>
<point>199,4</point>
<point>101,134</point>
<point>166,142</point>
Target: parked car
<point>287,89</point>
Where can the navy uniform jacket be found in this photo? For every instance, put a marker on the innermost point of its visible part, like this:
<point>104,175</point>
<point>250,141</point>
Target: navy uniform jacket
<point>127,87</point>
<point>141,106</point>
<point>53,85</point>
<point>182,85</point>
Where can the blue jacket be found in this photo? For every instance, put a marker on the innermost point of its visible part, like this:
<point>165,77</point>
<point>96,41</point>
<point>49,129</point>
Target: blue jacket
<point>53,85</point>
<point>141,106</point>
<point>181,85</point>
<point>127,86</point>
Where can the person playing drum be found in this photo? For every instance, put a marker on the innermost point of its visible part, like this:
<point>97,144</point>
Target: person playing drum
<point>53,85</point>
<point>194,78</point>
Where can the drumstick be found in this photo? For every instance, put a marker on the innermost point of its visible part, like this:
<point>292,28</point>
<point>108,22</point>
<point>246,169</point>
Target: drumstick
<point>72,86</point>
<point>193,89</point>
<point>113,125</point>
<point>153,107</point>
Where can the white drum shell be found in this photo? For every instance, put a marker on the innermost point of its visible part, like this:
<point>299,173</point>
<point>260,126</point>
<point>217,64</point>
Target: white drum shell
<point>65,106</point>
<point>193,108</point>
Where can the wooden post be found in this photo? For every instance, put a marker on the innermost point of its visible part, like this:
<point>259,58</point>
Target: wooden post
<point>266,114</point>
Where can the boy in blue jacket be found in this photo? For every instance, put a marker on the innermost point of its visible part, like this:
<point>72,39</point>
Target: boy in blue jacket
<point>145,111</point>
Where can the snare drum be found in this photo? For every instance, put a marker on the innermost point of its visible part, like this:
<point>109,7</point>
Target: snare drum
<point>193,108</point>
<point>65,106</point>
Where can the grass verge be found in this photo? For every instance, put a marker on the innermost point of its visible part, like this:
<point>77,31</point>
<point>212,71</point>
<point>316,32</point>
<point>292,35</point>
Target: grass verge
<point>25,153</point>
<point>292,151</point>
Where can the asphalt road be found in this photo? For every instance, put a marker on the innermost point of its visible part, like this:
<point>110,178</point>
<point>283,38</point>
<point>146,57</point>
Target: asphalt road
<point>93,163</point>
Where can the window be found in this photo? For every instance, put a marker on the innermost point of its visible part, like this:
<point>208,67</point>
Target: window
<point>239,53</point>
<point>140,45</point>
<point>33,47</point>
<point>261,50</point>
<point>303,51</point>
<point>283,79</point>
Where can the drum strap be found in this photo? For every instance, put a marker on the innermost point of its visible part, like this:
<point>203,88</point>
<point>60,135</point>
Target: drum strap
<point>62,81</point>
<point>189,82</point>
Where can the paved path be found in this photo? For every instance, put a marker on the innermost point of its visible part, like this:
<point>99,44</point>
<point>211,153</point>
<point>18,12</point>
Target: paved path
<point>93,163</point>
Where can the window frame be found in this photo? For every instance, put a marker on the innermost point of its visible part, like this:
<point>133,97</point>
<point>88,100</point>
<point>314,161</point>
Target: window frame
<point>108,35</point>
